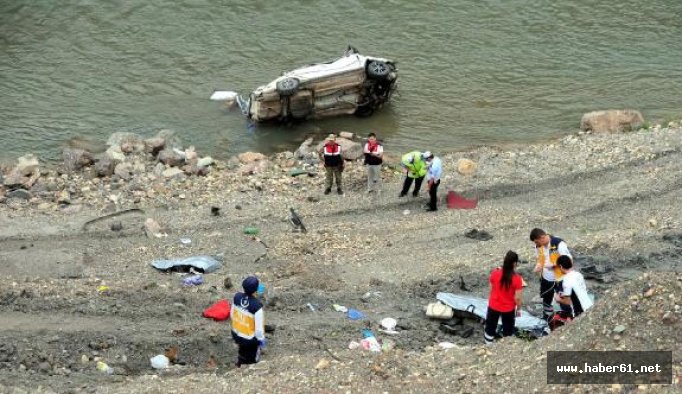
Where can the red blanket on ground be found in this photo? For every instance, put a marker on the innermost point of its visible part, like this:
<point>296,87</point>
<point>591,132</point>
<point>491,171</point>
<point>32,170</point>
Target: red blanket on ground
<point>455,201</point>
<point>219,311</point>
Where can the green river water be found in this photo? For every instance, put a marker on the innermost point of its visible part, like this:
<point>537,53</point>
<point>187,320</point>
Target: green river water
<point>472,72</point>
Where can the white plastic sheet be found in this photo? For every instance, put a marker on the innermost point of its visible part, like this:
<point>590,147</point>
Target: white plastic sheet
<point>479,307</point>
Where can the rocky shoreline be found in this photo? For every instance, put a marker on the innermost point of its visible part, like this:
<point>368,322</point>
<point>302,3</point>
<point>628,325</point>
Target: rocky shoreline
<point>614,197</point>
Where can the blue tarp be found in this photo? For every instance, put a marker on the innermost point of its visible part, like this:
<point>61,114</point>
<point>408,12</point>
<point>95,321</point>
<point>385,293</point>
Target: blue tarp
<point>205,264</point>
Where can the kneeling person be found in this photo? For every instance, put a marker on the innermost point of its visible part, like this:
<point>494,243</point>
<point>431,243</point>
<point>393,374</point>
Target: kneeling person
<point>574,290</point>
<point>248,327</point>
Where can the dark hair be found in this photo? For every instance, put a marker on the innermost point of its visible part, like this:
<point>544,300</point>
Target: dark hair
<point>510,259</point>
<point>537,233</point>
<point>371,135</point>
<point>564,262</point>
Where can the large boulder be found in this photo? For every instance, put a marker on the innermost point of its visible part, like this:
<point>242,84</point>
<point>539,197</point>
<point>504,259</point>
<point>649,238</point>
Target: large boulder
<point>75,159</point>
<point>350,150</point>
<point>611,121</point>
<point>306,149</point>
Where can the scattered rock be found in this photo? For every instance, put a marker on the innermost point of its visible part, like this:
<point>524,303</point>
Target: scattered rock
<point>173,172</point>
<point>466,167</point>
<point>123,170</point>
<point>116,226</point>
<point>75,159</point>
<point>322,364</point>
<point>131,141</point>
<point>154,145</point>
<point>346,134</point>
<point>27,165</point>
<point>171,158</point>
<point>63,197</point>
<point>115,154</point>
<point>105,166</point>
<point>305,149</point>
<point>205,161</point>
<point>152,228</point>
<point>227,283</point>
<point>619,329</point>
<point>250,157</point>
<point>19,194</point>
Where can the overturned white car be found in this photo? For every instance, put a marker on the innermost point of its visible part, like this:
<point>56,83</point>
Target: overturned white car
<point>353,84</point>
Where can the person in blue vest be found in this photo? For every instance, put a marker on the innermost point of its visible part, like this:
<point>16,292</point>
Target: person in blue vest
<point>548,248</point>
<point>248,324</point>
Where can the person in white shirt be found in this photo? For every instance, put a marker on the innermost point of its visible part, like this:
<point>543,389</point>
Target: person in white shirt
<point>374,153</point>
<point>574,290</point>
<point>433,174</point>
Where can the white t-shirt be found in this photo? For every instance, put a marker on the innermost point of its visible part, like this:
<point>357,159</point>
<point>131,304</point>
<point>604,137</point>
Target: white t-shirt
<point>548,268</point>
<point>573,285</point>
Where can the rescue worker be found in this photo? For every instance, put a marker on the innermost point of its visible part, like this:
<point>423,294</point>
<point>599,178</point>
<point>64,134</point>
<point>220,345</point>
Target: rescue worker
<point>415,169</point>
<point>573,288</point>
<point>333,164</point>
<point>248,326</point>
<point>374,153</point>
<point>548,248</point>
<point>434,171</point>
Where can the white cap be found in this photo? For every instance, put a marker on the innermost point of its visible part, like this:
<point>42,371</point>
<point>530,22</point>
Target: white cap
<point>427,155</point>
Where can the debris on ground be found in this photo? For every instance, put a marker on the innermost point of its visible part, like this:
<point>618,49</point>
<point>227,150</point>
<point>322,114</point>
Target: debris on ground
<point>204,264</point>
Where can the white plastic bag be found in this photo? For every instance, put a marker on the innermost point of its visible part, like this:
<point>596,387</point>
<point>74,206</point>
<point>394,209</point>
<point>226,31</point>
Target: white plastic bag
<point>159,362</point>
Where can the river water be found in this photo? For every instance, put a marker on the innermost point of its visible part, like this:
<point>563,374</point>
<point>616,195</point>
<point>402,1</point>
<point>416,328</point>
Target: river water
<point>472,72</point>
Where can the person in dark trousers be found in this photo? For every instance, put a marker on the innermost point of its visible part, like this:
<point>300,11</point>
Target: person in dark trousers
<point>548,248</point>
<point>415,170</point>
<point>248,324</point>
<point>506,298</point>
<point>434,171</point>
<point>333,164</point>
<point>374,154</point>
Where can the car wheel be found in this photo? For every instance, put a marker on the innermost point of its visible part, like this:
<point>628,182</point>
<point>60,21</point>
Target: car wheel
<point>378,70</point>
<point>287,86</point>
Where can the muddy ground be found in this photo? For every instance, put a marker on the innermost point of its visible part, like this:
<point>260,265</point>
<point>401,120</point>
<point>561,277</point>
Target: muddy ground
<point>613,198</point>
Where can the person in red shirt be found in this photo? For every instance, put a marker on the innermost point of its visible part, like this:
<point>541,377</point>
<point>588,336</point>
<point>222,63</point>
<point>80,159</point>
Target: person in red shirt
<point>506,297</point>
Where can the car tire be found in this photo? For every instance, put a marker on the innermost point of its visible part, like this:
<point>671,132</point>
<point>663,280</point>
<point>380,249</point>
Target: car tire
<point>378,70</point>
<point>287,86</point>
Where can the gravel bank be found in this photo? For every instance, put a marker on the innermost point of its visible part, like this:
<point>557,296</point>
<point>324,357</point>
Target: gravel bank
<point>614,198</point>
